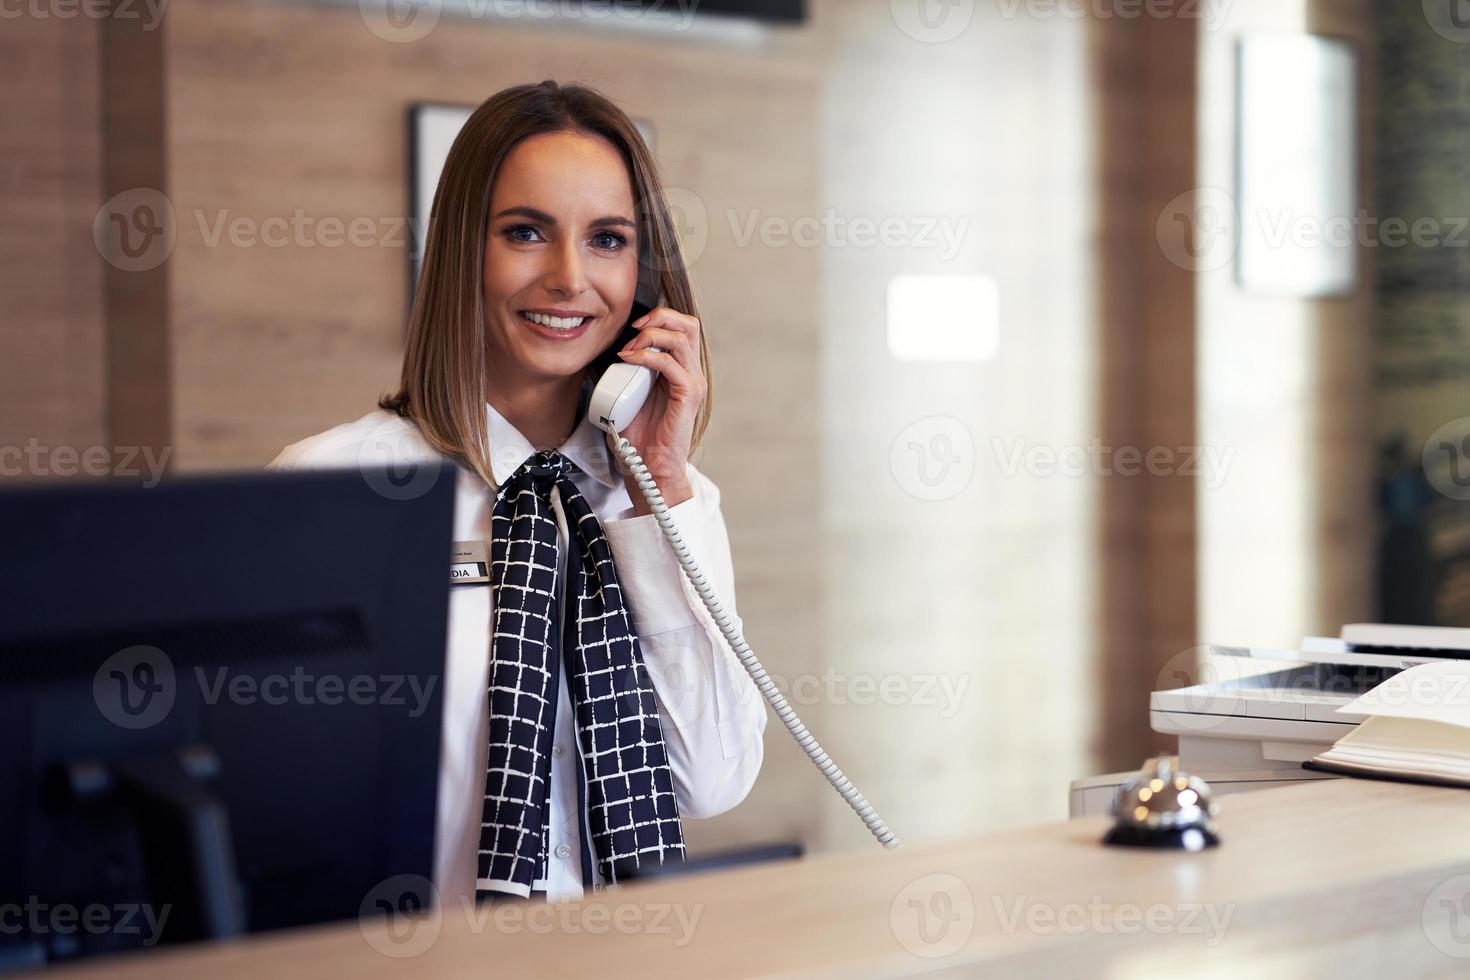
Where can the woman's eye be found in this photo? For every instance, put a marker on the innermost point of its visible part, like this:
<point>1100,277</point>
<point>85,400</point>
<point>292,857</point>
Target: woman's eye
<point>609,240</point>
<point>514,233</point>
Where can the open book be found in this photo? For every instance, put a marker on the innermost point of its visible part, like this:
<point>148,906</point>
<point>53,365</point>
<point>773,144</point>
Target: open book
<point>1416,728</point>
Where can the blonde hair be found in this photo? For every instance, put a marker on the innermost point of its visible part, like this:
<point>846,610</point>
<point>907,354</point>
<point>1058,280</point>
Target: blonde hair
<point>443,385</point>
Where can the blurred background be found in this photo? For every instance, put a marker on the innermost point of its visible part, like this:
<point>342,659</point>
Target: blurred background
<point>1052,338</point>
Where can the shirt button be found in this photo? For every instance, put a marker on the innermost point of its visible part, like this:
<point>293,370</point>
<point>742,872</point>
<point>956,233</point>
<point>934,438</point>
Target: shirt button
<point>597,887</point>
<point>558,750</point>
<point>562,850</point>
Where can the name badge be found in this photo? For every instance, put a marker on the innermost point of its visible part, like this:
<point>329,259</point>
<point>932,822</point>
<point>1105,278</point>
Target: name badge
<point>469,563</point>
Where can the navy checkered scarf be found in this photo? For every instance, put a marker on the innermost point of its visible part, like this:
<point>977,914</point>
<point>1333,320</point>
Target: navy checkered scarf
<point>627,785</point>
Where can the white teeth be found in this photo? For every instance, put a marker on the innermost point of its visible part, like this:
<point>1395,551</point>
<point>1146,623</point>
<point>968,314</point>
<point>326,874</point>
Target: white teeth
<point>555,322</point>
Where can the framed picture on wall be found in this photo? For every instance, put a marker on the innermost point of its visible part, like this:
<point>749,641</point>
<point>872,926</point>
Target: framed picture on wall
<point>432,128</point>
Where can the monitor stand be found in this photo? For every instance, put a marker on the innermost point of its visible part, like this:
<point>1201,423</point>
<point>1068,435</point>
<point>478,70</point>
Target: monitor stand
<point>184,831</point>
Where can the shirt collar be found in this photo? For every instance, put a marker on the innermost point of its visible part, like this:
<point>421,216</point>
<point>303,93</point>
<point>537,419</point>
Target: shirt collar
<point>586,446</point>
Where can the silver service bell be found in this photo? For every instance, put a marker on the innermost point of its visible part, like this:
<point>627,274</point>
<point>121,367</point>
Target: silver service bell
<point>1163,807</point>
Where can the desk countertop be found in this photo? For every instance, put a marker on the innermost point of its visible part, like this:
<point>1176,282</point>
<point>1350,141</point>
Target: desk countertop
<point>1340,877</point>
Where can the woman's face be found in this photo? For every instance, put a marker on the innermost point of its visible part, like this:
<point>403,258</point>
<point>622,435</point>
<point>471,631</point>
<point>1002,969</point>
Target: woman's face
<point>562,243</point>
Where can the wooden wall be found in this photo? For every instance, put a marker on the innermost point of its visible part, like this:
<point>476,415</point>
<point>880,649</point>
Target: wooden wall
<point>1146,105</point>
<point>52,370</point>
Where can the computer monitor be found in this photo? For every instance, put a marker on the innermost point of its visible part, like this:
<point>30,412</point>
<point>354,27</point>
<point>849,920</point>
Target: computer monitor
<point>220,702</point>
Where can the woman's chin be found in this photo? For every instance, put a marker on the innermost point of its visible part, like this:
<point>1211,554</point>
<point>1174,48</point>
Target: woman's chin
<point>551,367</point>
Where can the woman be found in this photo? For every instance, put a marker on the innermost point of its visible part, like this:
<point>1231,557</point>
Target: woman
<point>614,707</point>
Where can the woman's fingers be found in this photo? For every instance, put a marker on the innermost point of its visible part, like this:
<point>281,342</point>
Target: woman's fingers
<point>675,342</point>
<point>662,316</point>
<point>681,380</point>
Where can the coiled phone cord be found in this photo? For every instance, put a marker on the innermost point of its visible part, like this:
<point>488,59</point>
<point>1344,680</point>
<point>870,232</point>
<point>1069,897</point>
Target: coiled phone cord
<point>763,682</point>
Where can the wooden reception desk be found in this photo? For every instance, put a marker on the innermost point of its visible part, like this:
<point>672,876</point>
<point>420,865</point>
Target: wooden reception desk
<point>1336,878</point>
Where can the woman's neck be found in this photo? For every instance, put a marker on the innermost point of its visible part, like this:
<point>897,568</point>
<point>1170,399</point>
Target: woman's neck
<point>542,411</point>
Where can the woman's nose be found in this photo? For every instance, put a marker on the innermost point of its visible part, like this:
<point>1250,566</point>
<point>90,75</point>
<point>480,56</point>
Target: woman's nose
<point>566,274</point>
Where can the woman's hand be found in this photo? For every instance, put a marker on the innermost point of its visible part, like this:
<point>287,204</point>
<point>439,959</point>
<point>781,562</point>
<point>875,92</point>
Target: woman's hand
<point>664,427</point>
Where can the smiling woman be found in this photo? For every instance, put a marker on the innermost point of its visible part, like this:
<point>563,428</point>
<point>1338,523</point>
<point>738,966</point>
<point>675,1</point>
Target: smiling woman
<point>591,700</point>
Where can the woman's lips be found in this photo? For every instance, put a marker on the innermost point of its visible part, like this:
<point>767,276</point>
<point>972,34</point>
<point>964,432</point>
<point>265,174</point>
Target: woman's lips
<point>555,334</point>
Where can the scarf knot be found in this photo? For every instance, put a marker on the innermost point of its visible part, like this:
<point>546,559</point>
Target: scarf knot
<point>540,472</point>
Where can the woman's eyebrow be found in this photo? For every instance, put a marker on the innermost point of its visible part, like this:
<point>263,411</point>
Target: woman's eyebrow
<point>541,216</point>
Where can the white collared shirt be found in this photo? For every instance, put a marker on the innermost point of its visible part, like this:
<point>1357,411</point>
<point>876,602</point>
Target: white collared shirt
<point>712,716</point>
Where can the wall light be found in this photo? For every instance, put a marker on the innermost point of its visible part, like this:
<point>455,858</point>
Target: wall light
<point>943,318</point>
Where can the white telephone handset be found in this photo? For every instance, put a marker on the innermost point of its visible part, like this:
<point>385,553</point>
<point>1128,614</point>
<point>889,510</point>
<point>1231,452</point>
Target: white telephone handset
<point>619,394</point>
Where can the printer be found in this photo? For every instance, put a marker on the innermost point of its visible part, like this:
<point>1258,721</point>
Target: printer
<point>1254,715</point>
